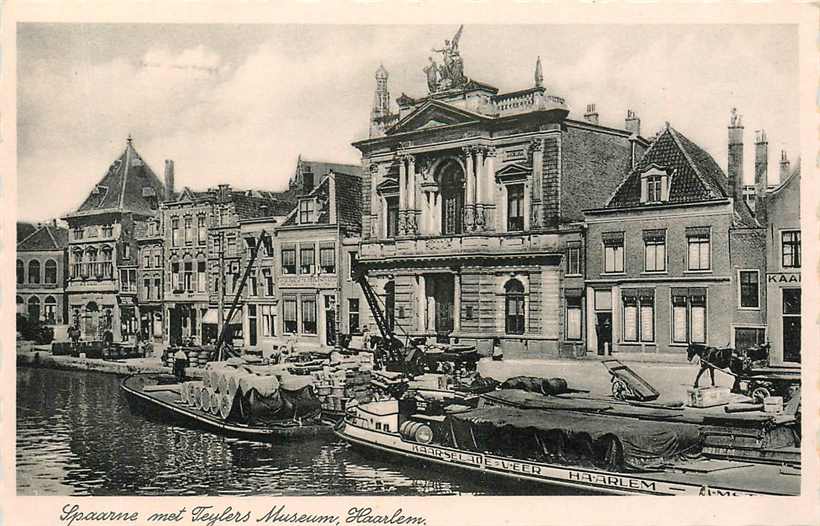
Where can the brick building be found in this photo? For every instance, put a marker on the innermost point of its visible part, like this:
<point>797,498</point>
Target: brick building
<point>203,256</point>
<point>675,255</point>
<point>780,207</point>
<point>149,284</point>
<point>472,200</point>
<point>301,288</point>
<point>102,247</point>
<point>41,274</point>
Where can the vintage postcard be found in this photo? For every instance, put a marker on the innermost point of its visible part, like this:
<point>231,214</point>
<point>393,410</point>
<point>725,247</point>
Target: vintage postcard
<point>409,263</point>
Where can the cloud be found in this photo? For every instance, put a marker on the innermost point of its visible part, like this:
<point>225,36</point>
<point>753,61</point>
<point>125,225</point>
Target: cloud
<point>244,116</point>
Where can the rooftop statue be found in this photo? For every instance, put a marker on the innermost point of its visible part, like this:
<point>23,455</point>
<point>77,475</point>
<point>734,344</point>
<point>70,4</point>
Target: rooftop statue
<point>451,73</point>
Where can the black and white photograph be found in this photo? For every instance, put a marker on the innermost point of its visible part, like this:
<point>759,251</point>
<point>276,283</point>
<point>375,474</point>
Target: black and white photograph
<point>415,260</point>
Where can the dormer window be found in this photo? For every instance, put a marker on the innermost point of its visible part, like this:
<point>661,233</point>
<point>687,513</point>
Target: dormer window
<point>654,186</point>
<point>306,211</point>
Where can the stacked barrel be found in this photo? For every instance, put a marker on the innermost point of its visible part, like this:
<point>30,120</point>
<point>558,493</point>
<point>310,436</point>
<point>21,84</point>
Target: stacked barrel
<point>216,393</point>
<point>197,358</point>
<point>344,379</point>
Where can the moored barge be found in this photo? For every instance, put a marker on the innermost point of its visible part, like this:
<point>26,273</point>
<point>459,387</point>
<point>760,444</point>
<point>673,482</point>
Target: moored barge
<point>161,396</point>
<point>589,451</point>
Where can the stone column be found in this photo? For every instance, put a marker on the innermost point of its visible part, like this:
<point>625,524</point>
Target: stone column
<point>469,202</point>
<point>402,194</point>
<point>421,303</point>
<point>410,218</point>
<point>457,301</point>
<point>375,203</point>
<point>489,189</point>
<point>536,211</point>
<point>481,176</point>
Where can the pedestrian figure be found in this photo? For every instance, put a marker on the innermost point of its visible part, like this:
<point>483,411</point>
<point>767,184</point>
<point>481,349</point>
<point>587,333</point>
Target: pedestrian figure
<point>180,361</point>
<point>498,351</point>
<point>74,335</point>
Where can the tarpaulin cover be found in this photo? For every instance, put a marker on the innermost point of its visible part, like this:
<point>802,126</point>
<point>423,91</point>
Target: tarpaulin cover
<point>572,437</point>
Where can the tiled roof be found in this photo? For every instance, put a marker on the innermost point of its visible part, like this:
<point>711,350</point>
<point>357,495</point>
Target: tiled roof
<point>127,186</point>
<point>321,168</point>
<point>24,230</point>
<point>253,207</point>
<point>47,237</point>
<point>695,176</point>
<point>349,202</point>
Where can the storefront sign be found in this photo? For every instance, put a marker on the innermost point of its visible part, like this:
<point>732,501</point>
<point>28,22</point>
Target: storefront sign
<point>783,277</point>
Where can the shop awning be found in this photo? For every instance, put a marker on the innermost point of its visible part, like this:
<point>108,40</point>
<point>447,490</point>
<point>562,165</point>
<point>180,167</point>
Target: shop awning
<point>212,317</point>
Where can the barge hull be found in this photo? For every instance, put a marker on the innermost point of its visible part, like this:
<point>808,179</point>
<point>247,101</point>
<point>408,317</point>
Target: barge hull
<point>598,481</point>
<point>170,412</point>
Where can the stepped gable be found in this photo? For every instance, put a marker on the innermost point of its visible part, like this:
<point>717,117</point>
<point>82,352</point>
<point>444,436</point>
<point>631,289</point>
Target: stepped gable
<point>695,176</point>
<point>129,185</point>
<point>47,237</point>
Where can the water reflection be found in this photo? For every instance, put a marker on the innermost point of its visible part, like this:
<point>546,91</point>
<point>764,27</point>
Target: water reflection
<point>76,436</point>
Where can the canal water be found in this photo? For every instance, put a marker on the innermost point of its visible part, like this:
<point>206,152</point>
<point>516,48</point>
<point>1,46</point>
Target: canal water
<point>76,436</point>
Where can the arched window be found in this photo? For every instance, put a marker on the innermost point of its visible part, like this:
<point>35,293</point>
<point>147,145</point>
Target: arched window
<point>34,308</point>
<point>34,271</point>
<point>76,263</point>
<point>21,305</point>
<point>390,304</point>
<point>106,267</point>
<point>51,272</point>
<point>514,311</point>
<point>21,272</point>
<point>452,199</point>
<point>89,261</point>
<point>50,309</point>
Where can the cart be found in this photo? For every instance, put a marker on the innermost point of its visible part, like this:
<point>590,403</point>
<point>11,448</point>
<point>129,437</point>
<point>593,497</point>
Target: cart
<point>627,384</point>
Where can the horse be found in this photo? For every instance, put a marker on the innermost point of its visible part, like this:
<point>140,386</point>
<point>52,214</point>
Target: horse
<point>712,358</point>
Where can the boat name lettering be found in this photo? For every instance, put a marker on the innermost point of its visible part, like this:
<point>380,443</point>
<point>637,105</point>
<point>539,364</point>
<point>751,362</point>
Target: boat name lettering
<point>614,481</point>
<point>448,455</point>
<point>706,491</point>
<point>513,465</point>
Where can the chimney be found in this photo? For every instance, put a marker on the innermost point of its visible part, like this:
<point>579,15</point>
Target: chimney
<point>632,123</point>
<point>169,178</point>
<point>591,115</point>
<point>761,175</point>
<point>785,165</point>
<point>735,165</point>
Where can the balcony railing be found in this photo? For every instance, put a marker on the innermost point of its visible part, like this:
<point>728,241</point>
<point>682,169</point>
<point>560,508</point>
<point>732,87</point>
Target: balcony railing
<point>528,100</point>
<point>496,244</point>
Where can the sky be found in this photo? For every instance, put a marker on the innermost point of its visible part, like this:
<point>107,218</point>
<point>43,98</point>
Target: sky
<point>238,104</point>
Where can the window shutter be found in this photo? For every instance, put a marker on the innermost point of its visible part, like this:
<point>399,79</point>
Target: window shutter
<point>665,188</point>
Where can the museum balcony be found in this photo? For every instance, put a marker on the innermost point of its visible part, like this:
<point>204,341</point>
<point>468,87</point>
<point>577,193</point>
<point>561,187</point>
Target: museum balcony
<point>462,245</point>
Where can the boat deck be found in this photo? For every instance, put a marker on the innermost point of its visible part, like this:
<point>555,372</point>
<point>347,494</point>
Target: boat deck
<point>156,393</point>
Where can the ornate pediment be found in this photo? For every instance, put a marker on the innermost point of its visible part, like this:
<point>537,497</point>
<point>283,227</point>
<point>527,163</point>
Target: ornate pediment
<point>513,172</point>
<point>388,186</point>
<point>434,114</point>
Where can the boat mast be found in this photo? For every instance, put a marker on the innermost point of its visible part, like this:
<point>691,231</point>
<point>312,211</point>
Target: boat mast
<point>238,294</point>
<point>220,324</point>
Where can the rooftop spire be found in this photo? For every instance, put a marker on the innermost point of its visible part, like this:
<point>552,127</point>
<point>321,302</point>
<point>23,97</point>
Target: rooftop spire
<point>129,139</point>
<point>539,74</point>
